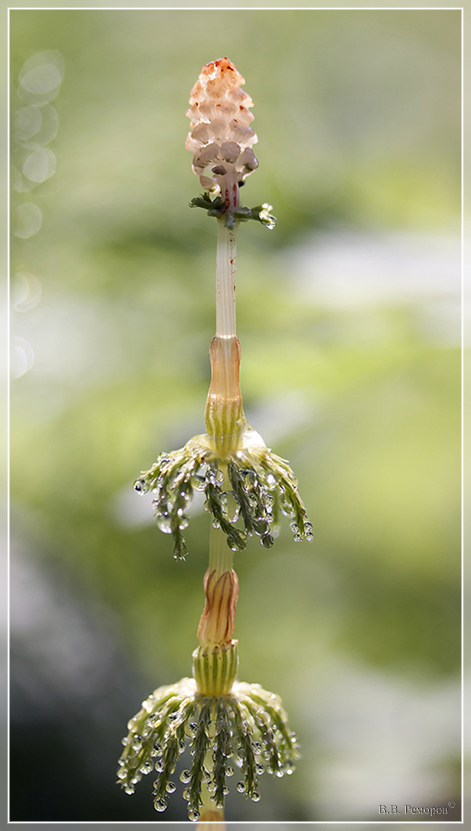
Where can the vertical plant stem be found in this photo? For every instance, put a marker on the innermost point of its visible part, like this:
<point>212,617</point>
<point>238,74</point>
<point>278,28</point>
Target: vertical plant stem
<point>226,395</point>
<point>220,555</point>
<point>225,280</point>
<point>211,818</point>
<point>226,262</point>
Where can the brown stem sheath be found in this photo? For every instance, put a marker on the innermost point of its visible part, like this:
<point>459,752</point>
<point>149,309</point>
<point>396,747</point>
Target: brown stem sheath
<point>217,622</point>
<point>224,413</point>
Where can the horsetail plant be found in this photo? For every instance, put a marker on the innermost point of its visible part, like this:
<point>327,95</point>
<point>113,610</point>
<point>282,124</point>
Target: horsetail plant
<point>224,722</point>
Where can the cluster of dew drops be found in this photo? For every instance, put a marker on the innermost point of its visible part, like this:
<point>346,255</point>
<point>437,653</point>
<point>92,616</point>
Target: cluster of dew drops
<point>255,498</point>
<point>275,754</point>
<point>174,486</point>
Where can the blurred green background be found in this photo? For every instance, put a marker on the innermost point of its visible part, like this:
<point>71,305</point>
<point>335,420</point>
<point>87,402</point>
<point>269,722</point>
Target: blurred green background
<point>348,315</point>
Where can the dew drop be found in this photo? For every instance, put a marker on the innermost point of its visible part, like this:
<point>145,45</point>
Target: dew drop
<point>193,815</point>
<point>214,476</point>
<point>240,787</point>
<point>171,787</point>
<point>198,482</point>
<point>235,514</point>
<point>250,478</point>
<point>185,776</point>
<point>255,796</point>
<point>164,522</point>
<point>129,789</point>
<point>160,805</point>
<point>122,774</point>
<point>229,771</point>
<point>141,486</point>
<point>260,769</point>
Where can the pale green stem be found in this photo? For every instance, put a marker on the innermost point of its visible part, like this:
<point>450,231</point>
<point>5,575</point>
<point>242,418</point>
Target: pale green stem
<point>225,281</point>
<point>208,807</point>
<point>226,262</point>
<point>220,555</point>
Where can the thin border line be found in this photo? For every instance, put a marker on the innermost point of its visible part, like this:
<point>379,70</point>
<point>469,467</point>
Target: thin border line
<point>236,8</point>
<point>8,416</point>
<point>462,417</point>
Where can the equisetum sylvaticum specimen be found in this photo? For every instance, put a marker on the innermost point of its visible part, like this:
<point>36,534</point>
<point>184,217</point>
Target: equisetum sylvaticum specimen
<point>227,724</point>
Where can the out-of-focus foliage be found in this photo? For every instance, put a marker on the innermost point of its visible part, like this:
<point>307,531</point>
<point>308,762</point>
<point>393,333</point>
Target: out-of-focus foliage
<point>347,315</point>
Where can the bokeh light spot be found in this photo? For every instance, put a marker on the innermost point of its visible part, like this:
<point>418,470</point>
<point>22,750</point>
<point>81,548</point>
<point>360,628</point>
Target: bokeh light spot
<point>25,291</point>
<point>22,357</point>
<point>28,220</point>
<point>40,77</point>
<point>27,123</point>
<point>40,165</point>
